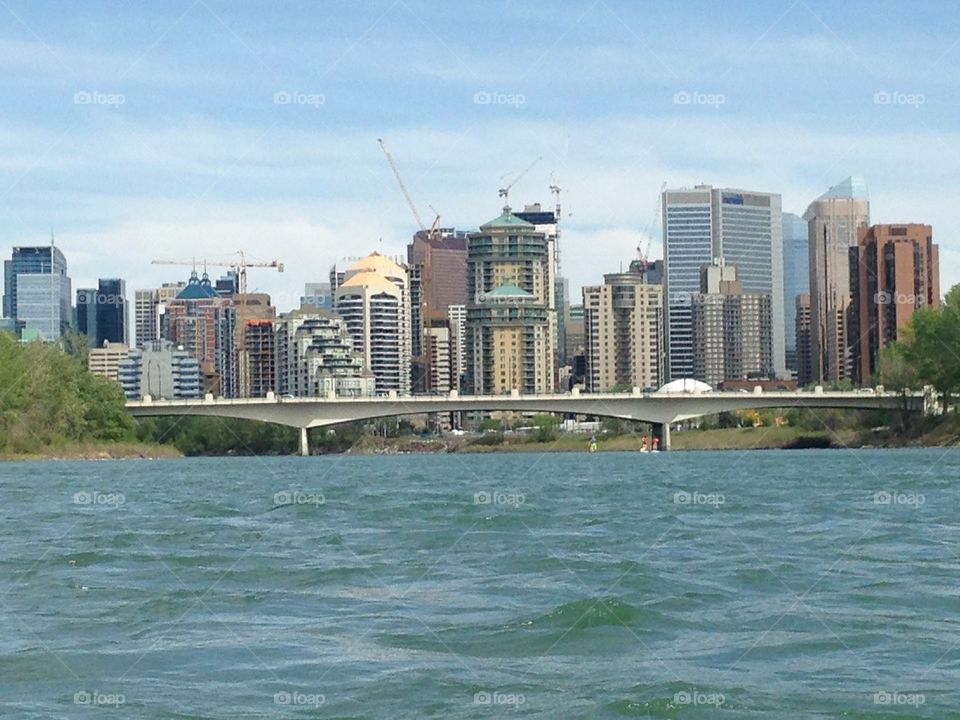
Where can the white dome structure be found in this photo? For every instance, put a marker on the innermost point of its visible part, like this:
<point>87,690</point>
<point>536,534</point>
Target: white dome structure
<point>686,385</point>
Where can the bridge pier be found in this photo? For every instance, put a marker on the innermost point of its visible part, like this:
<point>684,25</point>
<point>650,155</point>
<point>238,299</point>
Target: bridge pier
<point>304,442</point>
<point>662,431</point>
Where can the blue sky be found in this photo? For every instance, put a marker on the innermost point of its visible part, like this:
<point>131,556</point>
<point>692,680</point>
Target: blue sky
<point>153,130</point>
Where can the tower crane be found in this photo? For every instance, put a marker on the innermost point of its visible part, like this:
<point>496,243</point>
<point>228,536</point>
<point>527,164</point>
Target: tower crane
<point>504,192</point>
<point>406,194</point>
<point>643,251</point>
<point>239,266</point>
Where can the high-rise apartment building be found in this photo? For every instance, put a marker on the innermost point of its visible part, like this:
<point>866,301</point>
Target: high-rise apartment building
<point>742,227</point>
<point>161,371</point>
<point>510,294</point>
<point>105,360</point>
<point>36,290</point>
<point>374,301</point>
<point>148,306</point>
<point>623,329</point>
<point>315,357</point>
<point>548,222</point>
<point>834,221</point>
<point>457,322</point>
<point>260,340</point>
<point>894,270</point>
<point>796,279</point>
<point>732,329</point>
<point>193,323</point>
<point>233,363</point>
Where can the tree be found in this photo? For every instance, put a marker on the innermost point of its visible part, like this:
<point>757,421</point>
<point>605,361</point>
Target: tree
<point>931,345</point>
<point>546,425</point>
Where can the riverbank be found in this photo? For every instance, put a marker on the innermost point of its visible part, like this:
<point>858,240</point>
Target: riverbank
<point>98,451</point>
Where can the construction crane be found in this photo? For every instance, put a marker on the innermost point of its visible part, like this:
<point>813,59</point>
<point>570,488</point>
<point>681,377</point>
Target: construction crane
<point>555,190</point>
<point>406,194</point>
<point>504,192</point>
<point>240,267</point>
<point>643,251</point>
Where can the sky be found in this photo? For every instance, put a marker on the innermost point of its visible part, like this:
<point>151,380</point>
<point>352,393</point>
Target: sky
<point>140,131</point>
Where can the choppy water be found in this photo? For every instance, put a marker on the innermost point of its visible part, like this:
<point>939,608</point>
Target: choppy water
<point>758,585</point>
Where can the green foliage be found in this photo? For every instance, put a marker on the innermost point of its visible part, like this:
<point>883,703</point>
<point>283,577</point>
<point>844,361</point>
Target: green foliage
<point>491,425</point>
<point>546,427</point>
<point>896,372</point>
<point>48,399</point>
<point>932,346</point>
<point>219,436</point>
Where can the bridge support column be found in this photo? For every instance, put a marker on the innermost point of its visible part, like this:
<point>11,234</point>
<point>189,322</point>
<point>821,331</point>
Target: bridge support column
<point>662,431</point>
<point>304,443</point>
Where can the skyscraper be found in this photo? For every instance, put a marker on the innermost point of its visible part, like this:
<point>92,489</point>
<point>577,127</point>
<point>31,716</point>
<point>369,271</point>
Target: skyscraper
<point>894,270</point>
<point>37,290</point>
<point>745,229</point>
<point>374,301</point>
<point>147,310</point>
<point>623,328</point>
<point>804,350</point>
<point>833,222</point>
<point>509,297</point>
<point>796,279</point>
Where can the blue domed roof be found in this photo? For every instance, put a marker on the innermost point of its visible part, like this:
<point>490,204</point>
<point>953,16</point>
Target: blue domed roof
<point>197,288</point>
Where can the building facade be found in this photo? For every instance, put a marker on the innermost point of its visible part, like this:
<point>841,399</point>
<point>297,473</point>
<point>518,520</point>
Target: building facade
<point>743,227</point>
<point>804,341</point>
<point>796,279</point>
<point>101,313</point>
<point>374,301</point>
<point>834,221</point>
<point>160,371</point>
<point>105,360</point>
<point>732,329</point>
<point>509,297</point>
<point>623,332</point>
<point>894,270</point>
<point>148,307</point>
<point>36,291</point>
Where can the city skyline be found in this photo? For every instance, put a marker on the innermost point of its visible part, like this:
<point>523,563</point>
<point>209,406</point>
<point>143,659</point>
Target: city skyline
<point>135,144</point>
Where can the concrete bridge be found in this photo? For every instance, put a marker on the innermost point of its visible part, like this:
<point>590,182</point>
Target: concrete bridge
<point>658,408</point>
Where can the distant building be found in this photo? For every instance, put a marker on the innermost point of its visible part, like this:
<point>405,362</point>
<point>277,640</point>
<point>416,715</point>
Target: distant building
<point>796,279</point>
<point>623,330</point>
<point>374,302</point>
<point>315,357</point>
<point>105,361</point>
<point>160,371</point>
<point>9,325</point>
<point>562,306</point>
<point>260,340</point>
<point>233,356</point>
<point>894,270</point>
<point>510,295</point>
<point>804,341</point>
<point>193,323</point>
<point>318,296</point>
<point>731,329</point>
<point>457,322</point>
<point>742,227</point>
<point>101,313</point>
<point>149,305</point>
<point>37,291</point>
<point>833,222</point>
